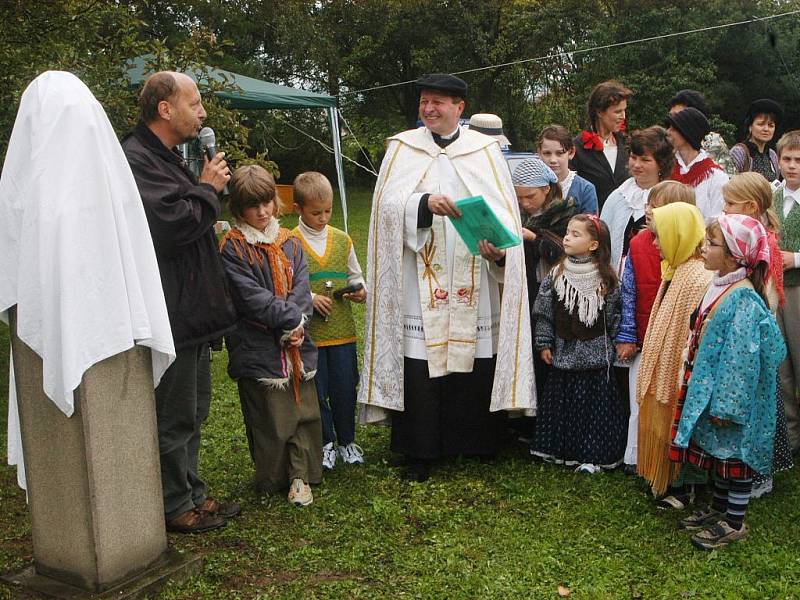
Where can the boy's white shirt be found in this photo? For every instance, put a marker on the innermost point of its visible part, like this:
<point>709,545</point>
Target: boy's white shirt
<point>318,241</point>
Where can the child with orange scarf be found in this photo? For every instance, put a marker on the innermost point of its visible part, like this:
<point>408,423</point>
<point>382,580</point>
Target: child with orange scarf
<point>679,232</point>
<point>270,356</point>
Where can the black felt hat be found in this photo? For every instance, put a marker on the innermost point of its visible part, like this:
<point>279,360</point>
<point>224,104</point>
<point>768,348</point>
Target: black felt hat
<point>692,125</point>
<point>764,106</point>
<point>442,82</point>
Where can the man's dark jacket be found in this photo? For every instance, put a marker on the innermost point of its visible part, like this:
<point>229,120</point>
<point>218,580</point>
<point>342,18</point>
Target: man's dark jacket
<point>181,213</point>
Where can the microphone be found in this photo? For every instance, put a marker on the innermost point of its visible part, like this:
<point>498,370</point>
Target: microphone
<point>209,142</point>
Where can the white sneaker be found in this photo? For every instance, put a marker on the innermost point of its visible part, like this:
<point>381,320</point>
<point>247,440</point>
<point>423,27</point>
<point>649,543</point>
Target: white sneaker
<point>300,493</point>
<point>762,489</point>
<point>352,454</point>
<point>328,456</point>
<point>588,468</point>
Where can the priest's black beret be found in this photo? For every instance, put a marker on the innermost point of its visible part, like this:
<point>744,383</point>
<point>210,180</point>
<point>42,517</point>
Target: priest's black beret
<point>443,82</point>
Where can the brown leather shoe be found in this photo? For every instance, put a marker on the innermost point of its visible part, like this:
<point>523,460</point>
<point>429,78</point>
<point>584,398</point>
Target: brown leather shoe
<point>212,506</point>
<point>195,521</point>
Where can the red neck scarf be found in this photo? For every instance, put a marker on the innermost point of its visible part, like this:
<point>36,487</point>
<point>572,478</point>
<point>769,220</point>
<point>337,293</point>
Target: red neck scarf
<point>698,173</point>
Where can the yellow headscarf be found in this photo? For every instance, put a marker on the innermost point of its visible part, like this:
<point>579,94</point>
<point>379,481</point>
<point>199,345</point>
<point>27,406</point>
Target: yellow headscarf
<point>680,229</point>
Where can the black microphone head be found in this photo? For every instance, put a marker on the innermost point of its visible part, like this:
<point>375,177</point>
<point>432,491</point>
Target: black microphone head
<point>207,137</point>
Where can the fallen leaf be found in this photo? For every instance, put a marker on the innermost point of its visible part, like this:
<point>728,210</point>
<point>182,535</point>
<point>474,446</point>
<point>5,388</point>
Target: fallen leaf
<point>563,591</point>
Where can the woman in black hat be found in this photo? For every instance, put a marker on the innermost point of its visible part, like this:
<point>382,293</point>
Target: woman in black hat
<point>754,154</point>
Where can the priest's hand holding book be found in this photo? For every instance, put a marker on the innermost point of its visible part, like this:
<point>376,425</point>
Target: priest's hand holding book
<point>443,205</point>
<point>490,252</point>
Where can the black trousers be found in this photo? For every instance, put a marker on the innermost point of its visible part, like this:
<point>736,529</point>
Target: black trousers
<point>447,416</point>
<point>183,399</point>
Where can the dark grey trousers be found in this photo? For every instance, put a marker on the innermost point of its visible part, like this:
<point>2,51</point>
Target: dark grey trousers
<point>183,398</point>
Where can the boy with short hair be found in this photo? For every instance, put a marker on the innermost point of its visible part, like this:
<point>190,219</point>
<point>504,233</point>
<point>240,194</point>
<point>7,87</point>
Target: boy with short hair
<point>332,265</point>
<point>786,200</point>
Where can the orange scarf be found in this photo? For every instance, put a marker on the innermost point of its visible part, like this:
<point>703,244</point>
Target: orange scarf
<point>281,269</point>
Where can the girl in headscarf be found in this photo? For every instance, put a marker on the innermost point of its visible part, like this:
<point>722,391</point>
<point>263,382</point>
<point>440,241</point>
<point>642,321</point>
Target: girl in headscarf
<point>679,232</point>
<point>725,418</point>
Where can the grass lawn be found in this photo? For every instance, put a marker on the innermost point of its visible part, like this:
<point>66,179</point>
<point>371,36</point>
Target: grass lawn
<point>512,529</point>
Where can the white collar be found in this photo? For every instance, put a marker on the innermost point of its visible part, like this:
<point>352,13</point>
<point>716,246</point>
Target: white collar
<point>450,135</point>
<point>635,196</point>
<point>254,236</point>
<point>683,166</point>
<point>793,194</point>
<point>312,234</point>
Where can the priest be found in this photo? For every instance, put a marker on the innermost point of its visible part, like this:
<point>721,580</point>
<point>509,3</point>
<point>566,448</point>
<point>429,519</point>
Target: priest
<point>446,353</point>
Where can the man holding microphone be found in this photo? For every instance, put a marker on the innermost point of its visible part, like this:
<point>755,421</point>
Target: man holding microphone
<point>181,212</point>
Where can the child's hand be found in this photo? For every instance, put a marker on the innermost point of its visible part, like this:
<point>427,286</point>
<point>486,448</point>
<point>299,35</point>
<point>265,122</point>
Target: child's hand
<point>547,356</point>
<point>296,338</point>
<point>323,304</point>
<point>626,351</point>
<point>716,421</point>
<point>359,296</point>
<point>788,260</point>
<point>528,235</point>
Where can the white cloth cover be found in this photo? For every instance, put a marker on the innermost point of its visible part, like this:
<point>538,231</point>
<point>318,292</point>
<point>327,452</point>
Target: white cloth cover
<point>481,168</point>
<point>76,256</point>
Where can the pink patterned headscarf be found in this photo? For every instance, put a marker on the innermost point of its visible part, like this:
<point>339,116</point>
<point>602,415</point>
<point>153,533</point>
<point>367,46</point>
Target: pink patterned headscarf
<point>746,239</point>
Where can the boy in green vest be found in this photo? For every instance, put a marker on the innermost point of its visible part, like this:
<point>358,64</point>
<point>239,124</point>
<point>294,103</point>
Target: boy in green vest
<point>332,265</point>
<point>786,201</point>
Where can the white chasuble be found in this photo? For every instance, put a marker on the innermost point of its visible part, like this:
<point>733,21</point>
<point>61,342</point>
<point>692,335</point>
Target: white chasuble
<point>424,288</point>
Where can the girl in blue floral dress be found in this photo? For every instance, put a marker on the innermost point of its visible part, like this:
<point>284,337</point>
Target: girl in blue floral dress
<point>725,417</point>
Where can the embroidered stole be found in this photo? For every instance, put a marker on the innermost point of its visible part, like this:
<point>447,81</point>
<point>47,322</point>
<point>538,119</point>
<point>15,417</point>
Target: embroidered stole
<point>448,293</point>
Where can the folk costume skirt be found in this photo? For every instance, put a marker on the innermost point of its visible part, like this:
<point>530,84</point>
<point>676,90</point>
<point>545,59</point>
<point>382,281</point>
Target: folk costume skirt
<point>447,416</point>
<point>581,419</point>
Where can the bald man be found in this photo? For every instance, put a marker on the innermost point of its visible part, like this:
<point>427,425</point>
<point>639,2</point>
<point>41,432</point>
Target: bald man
<point>181,212</point>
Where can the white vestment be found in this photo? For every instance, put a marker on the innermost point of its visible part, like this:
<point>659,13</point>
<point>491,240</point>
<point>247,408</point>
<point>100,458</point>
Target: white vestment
<point>76,256</point>
<point>458,294</point>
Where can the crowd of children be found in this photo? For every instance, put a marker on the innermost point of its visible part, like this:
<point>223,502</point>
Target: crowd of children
<point>691,297</point>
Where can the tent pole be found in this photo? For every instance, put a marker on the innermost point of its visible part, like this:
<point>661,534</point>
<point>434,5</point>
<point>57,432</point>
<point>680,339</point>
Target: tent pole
<point>333,118</point>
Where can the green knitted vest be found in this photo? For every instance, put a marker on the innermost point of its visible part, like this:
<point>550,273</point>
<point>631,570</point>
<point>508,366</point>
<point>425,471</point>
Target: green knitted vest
<point>340,328</point>
<point>790,236</point>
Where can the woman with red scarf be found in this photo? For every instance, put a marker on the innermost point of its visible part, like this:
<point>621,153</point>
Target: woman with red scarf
<point>693,165</point>
<point>601,155</point>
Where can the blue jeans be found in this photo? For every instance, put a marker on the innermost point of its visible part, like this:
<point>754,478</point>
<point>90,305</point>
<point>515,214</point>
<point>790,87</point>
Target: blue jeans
<point>336,380</point>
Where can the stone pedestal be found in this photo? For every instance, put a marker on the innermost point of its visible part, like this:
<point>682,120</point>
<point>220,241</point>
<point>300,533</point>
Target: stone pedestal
<point>94,485</point>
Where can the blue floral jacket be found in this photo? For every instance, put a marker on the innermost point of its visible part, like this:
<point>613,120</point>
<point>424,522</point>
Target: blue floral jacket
<point>734,378</point>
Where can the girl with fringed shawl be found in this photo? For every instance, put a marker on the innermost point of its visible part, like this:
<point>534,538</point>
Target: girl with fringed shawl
<point>580,419</point>
<point>270,356</point>
<point>679,232</point>
<point>725,415</point>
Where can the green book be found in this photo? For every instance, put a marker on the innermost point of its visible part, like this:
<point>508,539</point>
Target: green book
<point>478,222</point>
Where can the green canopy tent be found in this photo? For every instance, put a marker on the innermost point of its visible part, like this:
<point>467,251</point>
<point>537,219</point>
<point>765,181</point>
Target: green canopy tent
<point>249,93</point>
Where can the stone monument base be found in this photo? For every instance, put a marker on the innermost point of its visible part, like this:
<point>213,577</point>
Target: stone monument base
<point>170,566</point>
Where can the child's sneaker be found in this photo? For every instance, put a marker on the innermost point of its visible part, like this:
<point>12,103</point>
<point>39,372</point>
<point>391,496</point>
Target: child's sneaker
<point>718,535</point>
<point>352,454</point>
<point>700,519</point>
<point>300,493</point>
<point>761,489</point>
<point>588,468</point>
<point>328,456</point>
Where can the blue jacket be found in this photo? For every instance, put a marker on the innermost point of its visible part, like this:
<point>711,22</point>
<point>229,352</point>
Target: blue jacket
<point>735,378</point>
<point>585,195</point>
